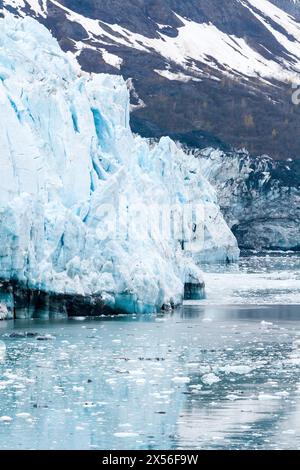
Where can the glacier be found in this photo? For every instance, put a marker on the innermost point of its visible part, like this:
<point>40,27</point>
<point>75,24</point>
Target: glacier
<point>70,164</point>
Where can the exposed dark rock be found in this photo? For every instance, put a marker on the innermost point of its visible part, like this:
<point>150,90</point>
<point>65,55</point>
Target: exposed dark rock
<point>23,334</point>
<point>259,197</point>
<point>27,303</point>
<point>45,338</point>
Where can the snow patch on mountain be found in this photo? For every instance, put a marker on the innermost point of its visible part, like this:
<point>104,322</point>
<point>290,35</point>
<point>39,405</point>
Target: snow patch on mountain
<point>39,7</point>
<point>179,77</point>
<point>112,59</point>
<point>196,45</point>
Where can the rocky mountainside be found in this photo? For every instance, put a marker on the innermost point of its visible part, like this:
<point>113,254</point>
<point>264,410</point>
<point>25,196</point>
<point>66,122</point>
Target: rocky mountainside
<point>290,6</point>
<point>259,197</point>
<point>209,73</point>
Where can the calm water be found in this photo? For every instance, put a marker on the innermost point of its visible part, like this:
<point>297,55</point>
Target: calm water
<point>213,376</point>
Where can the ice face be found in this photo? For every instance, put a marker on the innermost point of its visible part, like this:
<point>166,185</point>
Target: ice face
<point>75,180</point>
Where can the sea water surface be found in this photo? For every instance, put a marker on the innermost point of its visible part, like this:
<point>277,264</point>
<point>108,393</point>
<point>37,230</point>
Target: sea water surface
<point>223,373</point>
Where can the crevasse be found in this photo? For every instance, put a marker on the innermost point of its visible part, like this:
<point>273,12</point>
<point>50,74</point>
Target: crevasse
<point>67,152</point>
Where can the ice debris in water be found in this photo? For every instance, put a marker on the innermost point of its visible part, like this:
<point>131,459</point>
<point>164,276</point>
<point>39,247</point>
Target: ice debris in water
<point>3,311</point>
<point>181,380</point>
<point>2,350</point>
<point>236,369</point>
<point>210,379</point>
<point>68,161</point>
<point>5,419</point>
<point>266,323</point>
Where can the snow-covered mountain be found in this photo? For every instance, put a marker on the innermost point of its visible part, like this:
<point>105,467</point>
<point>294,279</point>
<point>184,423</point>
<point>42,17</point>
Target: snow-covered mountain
<point>78,191</point>
<point>206,72</point>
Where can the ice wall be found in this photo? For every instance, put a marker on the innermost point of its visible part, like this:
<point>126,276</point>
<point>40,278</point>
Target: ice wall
<point>68,161</point>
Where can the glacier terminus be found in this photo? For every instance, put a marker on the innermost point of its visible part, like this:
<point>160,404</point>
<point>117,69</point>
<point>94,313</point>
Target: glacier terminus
<point>68,160</point>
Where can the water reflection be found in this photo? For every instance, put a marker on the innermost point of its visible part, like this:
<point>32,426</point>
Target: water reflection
<point>202,377</point>
<point>240,312</point>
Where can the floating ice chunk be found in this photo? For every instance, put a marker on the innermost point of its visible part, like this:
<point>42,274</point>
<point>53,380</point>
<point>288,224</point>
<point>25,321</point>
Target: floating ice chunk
<point>5,419</point>
<point>181,380</point>
<point>193,365</point>
<point>24,415</point>
<point>266,397</point>
<point>236,369</point>
<point>2,350</point>
<point>210,379</point>
<point>207,319</point>
<point>232,397</point>
<point>140,381</point>
<point>78,389</point>
<point>266,323</point>
<point>283,394</point>
<point>80,428</point>
<point>204,369</point>
<point>196,387</point>
<point>3,311</point>
<point>124,435</point>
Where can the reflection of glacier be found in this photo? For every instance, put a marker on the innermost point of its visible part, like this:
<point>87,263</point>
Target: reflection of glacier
<point>260,421</point>
<point>239,418</point>
<point>123,392</point>
<point>67,151</point>
<point>142,382</point>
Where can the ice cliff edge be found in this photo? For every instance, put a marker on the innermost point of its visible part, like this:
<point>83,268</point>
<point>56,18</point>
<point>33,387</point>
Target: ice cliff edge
<point>70,173</point>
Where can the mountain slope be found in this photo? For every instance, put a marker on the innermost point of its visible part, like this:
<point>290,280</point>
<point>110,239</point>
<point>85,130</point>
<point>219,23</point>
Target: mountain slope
<point>290,6</point>
<point>259,197</point>
<point>208,73</point>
